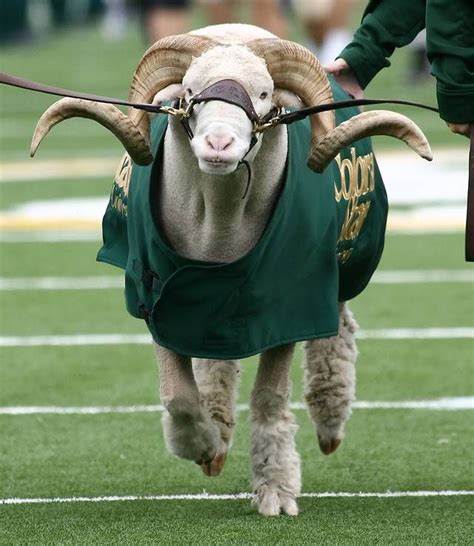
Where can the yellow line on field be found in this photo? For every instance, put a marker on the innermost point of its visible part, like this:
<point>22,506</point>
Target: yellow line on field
<point>395,224</point>
<point>20,223</point>
<point>433,224</point>
<point>47,169</point>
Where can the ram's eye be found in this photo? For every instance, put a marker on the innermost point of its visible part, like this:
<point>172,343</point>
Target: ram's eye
<point>264,95</point>
<point>189,91</point>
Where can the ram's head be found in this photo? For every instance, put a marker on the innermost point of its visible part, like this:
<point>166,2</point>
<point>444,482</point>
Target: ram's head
<point>272,71</point>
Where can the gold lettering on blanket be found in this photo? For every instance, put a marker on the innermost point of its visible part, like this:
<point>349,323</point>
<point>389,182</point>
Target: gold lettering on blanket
<point>119,195</point>
<point>357,179</point>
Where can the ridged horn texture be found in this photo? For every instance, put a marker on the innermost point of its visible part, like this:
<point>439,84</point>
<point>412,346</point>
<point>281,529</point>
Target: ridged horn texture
<point>374,122</point>
<point>106,114</point>
<point>296,69</point>
<point>164,63</point>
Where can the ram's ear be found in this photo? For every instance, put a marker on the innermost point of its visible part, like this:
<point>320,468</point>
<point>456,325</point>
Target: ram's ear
<point>171,92</point>
<point>284,98</point>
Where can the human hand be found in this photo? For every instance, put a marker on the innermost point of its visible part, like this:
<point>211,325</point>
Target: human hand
<point>460,128</point>
<point>345,77</point>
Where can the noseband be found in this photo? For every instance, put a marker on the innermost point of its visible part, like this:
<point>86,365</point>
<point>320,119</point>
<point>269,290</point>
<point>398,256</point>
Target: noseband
<point>231,92</point>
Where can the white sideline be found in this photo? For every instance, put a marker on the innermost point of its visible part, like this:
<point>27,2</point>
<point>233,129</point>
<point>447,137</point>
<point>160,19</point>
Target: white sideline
<point>51,236</point>
<point>62,283</point>
<point>117,281</point>
<point>237,496</point>
<point>440,404</point>
<point>423,276</point>
<point>95,235</point>
<point>145,339</point>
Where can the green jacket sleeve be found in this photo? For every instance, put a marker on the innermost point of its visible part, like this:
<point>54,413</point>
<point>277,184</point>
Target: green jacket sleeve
<point>450,48</point>
<point>386,24</point>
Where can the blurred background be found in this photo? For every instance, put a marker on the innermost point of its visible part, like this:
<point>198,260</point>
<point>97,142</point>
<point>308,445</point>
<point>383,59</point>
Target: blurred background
<point>94,46</point>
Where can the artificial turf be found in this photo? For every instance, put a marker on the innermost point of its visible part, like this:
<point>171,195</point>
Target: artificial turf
<point>120,454</point>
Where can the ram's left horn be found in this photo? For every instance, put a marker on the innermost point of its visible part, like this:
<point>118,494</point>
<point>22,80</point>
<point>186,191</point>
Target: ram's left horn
<point>374,122</point>
<point>106,114</point>
<point>294,68</point>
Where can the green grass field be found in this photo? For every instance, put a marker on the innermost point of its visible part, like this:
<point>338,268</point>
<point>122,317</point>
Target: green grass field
<point>70,455</point>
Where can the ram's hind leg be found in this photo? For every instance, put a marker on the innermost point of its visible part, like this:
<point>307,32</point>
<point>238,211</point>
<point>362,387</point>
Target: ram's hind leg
<point>329,381</point>
<point>218,382</point>
<point>275,462</point>
<point>189,431</point>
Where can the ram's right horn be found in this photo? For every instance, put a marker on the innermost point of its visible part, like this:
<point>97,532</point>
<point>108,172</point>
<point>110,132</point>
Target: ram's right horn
<point>106,114</point>
<point>165,63</point>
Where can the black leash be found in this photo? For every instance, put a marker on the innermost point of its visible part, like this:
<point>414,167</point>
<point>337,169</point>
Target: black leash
<point>266,122</point>
<point>9,79</point>
<point>300,114</point>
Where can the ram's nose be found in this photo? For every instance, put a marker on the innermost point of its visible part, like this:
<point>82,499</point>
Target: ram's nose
<point>219,142</point>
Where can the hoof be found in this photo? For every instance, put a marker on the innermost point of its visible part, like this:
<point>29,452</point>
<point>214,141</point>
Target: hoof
<point>214,467</point>
<point>289,506</point>
<point>271,503</point>
<point>329,445</point>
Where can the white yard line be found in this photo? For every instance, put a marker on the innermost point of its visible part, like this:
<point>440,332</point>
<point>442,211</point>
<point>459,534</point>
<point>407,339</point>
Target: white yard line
<point>237,496</point>
<point>75,340</point>
<point>61,283</point>
<point>51,236</point>
<point>440,404</point>
<point>145,339</point>
<point>94,235</point>
<point>423,276</point>
<point>417,333</point>
<point>116,281</point>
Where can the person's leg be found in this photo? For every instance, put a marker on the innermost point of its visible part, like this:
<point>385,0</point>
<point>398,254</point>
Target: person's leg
<point>218,12</point>
<point>165,18</point>
<point>269,15</point>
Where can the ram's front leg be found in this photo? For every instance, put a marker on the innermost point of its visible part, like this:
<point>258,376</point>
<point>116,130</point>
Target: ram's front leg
<point>218,382</point>
<point>188,428</point>
<point>275,462</point>
<point>329,381</point>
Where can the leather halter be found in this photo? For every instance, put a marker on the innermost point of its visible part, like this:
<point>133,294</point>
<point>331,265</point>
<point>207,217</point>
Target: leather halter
<point>229,91</point>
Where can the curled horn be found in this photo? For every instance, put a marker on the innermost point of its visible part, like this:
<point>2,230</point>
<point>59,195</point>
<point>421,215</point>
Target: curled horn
<point>164,63</point>
<point>374,122</point>
<point>296,69</point>
<point>106,114</point>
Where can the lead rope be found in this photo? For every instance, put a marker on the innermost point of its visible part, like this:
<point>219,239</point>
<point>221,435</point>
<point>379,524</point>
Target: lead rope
<point>243,161</point>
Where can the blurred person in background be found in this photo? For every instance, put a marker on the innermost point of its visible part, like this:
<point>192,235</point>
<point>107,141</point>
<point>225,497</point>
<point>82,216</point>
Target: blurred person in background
<point>326,23</point>
<point>163,17</point>
<point>419,69</point>
<point>167,17</point>
<point>388,24</point>
<point>115,19</point>
<point>13,20</point>
<point>268,14</point>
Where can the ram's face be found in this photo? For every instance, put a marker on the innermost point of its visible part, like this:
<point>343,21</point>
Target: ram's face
<point>222,131</point>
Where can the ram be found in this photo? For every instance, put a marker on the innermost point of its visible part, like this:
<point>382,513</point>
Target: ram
<point>235,244</point>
